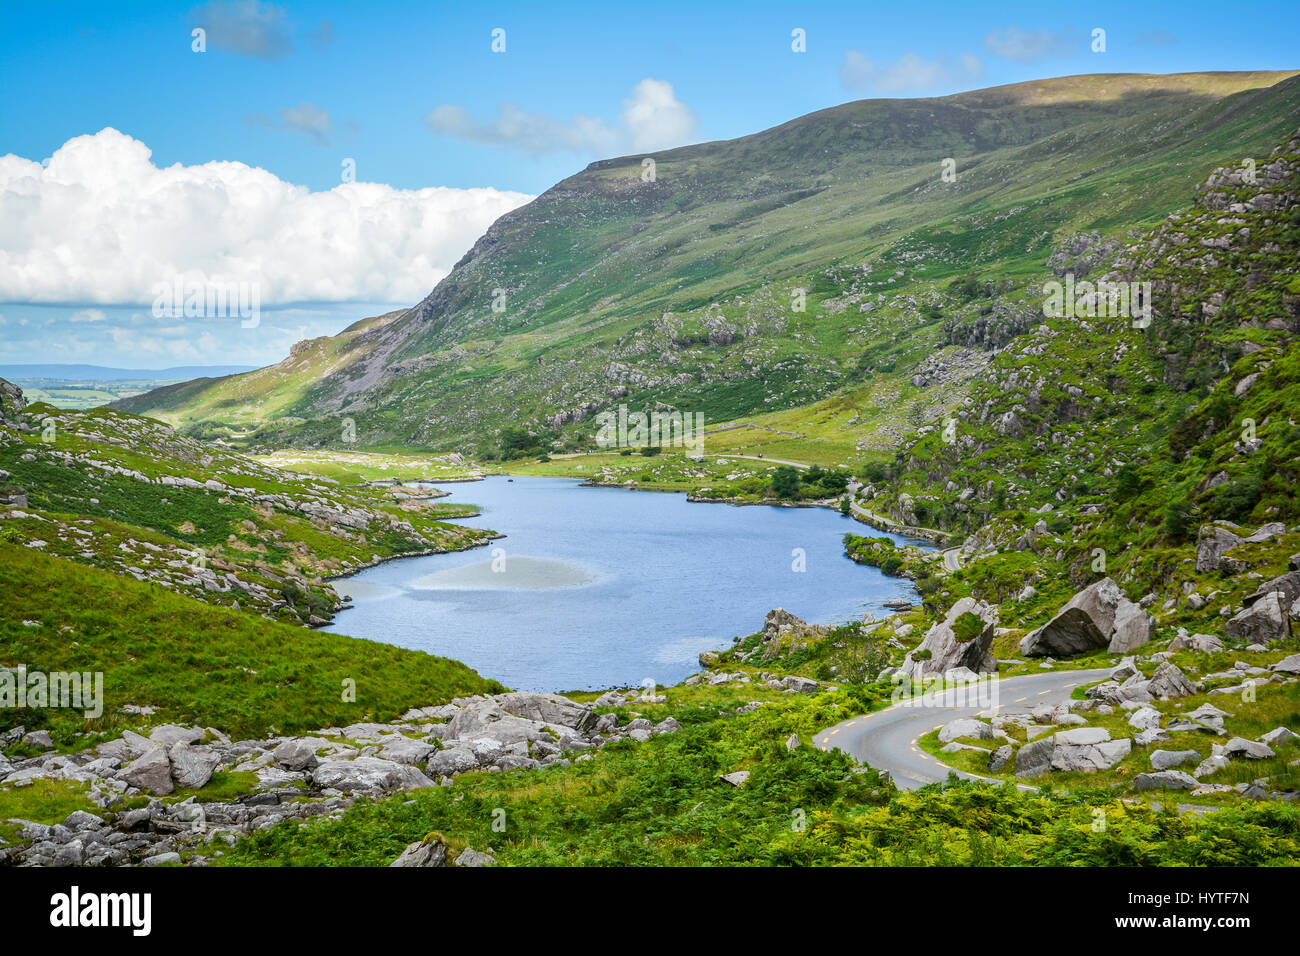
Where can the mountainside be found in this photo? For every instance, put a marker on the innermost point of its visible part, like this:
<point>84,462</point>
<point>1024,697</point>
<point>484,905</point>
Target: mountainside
<point>127,494</point>
<point>682,289</point>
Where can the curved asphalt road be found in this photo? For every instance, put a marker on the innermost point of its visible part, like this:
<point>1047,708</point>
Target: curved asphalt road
<point>887,739</point>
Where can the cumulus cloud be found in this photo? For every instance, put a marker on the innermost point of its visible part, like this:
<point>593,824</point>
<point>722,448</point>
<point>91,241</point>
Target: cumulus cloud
<point>307,119</point>
<point>248,27</point>
<point>88,315</point>
<point>652,118</point>
<point>1013,43</point>
<point>910,72</point>
<point>100,224</point>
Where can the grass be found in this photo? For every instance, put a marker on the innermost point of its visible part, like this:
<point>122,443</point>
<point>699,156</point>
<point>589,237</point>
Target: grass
<point>661,803</point>
<point>195,663</point>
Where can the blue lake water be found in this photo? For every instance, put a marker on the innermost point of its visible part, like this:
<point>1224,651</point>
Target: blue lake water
<point>606,587</point>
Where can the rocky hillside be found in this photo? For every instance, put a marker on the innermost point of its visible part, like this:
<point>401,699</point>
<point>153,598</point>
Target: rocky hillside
<point>1092,433</point>
<point>684,288</point>
<point>128,494</point>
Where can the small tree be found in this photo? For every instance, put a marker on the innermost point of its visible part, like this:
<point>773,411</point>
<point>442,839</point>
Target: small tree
<point>859,654</point>
<point>785,482</point>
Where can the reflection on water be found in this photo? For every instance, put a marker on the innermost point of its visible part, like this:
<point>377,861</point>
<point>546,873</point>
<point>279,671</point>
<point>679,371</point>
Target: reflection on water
<point>522,573</point>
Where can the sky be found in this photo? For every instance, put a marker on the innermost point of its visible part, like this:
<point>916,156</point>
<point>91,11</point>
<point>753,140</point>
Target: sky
<point>317,163</point>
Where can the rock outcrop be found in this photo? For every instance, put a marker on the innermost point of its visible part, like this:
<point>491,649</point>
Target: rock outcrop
<point>954,643</point>
<point>1098,616</point>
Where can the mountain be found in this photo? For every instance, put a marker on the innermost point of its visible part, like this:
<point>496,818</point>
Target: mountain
<point>102,373</point>
<point>684,288</point>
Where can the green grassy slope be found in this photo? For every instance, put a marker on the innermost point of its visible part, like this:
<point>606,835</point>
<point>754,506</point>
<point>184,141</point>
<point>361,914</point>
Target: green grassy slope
<point>194,663</point>
<point>681,290</point>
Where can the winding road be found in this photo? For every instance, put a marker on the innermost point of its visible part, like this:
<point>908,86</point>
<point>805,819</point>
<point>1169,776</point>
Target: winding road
<point>888,739</point>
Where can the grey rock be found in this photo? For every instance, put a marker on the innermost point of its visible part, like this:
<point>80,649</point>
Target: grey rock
<point>1169,681</point>
<point>1250,749</point>
<point>454,760</point>
<point>1209,765</point>
<point>1087,621</point>
<point>999,758</point>
<point>38,738</point>
<point>1165,780</point>
<point>368,773</point>
<point>296,754</point>
<point>1034,758</point>
<point>736,778</point>
<point>1168,759</point>
<point>471,857</point>
<point>800,685</point>
<point>151,771</point>
<point>965,727</point>
<point>1211,543</point>
<point>1196,642</point>
<point>81,820</point>
<point>167,735</point>
<point>947,652</point>
<point>1279,736</point>
<point>422,853</point>
<point>1265,621</point>
<point>1288,665</point>
<point>192,767</point>
<point>405,750</point>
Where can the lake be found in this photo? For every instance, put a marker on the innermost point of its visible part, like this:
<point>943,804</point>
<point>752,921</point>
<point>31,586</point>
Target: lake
<point>606,587</point>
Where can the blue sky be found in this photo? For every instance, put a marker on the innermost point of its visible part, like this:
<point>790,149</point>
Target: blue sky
<point>413,95</point>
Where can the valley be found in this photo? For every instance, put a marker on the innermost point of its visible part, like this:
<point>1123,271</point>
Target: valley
<point>1113,535</point>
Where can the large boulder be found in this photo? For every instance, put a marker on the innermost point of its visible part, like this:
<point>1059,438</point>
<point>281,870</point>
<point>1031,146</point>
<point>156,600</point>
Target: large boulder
<point>1265,621</point>
<point>298,753</point>
<point>431,851</point>
<point>1211,543</point>
<point>1035,758</point>
<point>1250,749</point>
<point>1169,681</point>
<point>965,727</point>
<point>446,763</point>
<point>1169,759</point>
<point>192,767</point>
<point>1196,642</point>
<point>1087,749</point>
<point>953,644</point>
<point>511,718</point>
<point>1089,621</point>
<point>368,773</point>
<point>151,771</point>
<point>1287,665</point>
<point>1165,780</point>
<point>1133,628</point>
<point>549,709</point>
<point>1287,585</point>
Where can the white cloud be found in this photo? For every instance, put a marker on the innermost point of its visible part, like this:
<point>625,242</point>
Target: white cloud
<point>88,315</point>
<point>911,72</point>
<point>652,119</point>
<point>102,225</point>
<point>1014,43</point>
